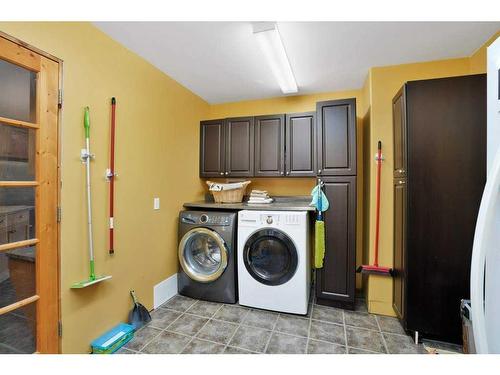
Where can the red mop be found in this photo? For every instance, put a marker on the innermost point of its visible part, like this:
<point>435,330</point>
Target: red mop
<point>110,174</point>
<point>375,269</point>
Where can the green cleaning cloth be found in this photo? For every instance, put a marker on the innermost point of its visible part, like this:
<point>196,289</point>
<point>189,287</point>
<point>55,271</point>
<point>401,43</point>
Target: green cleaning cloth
<point>319,243</point>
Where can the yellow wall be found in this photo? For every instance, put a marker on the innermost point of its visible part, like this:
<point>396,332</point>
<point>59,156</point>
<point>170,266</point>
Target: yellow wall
<point>156,156</point>
<point>291,104</point>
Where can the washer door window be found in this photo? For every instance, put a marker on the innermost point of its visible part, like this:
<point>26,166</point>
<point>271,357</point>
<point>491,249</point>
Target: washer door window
<point>270,257</point>
<point>203,255</point>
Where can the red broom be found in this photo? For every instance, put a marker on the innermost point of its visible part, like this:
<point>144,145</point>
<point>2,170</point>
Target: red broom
<point>375,268</point>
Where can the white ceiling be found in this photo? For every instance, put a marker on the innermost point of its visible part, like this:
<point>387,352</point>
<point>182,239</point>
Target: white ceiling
<point>222,62</point>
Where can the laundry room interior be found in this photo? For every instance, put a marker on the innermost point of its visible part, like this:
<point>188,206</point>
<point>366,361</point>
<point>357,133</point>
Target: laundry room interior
<point>249,187</point>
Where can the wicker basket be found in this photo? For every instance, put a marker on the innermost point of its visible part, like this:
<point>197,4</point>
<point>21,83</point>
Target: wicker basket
<point>229,196</point>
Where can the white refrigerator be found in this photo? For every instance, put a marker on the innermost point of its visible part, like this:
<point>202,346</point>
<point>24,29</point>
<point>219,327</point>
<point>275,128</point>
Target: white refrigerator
<point>485,265</point>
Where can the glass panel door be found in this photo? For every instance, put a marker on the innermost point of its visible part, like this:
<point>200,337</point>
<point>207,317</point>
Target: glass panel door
<point>28,201</point>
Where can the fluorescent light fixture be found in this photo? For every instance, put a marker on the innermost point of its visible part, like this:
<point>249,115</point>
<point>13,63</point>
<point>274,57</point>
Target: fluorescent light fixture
<point>269,38</point>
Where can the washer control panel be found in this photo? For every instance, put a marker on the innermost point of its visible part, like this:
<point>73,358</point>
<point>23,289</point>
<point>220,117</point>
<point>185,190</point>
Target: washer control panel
<point>205,218</point>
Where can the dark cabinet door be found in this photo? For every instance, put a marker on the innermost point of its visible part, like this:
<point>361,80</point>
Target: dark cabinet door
<point>300,144</point>
<point>399,284</point>
<point>400,139</point>
<point>212,135</point>
<point>270,145</point>
<point>336,137</point>
<point>239,147</point>
<point>335,282</point>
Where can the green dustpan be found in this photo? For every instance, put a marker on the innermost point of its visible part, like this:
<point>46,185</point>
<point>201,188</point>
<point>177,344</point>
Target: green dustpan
<point>86,156</point>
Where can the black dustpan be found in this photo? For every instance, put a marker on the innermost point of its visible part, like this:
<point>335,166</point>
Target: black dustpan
<point>139,315</point>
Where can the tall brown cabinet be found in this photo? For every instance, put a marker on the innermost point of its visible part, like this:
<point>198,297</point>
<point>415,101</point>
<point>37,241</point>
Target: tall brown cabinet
<point>336,147</point>
<point>439,175</point>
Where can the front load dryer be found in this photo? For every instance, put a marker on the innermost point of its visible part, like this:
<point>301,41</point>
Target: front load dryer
<point>207,256</point>
<point>274,260</point>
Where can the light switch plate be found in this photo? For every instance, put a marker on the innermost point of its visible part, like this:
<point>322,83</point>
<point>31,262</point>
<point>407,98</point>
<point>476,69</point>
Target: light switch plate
<point>156,203</point>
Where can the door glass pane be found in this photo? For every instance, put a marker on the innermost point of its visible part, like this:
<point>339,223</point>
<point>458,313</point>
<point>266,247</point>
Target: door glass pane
<point>17,275</point>
<point>18,330</point>
<point>17,214</point>
<point>17,153</point>
<point>18,92</point>
<point>202,254</point>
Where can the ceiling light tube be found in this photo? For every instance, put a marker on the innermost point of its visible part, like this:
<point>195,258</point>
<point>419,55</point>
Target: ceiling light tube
<point>272,46</point>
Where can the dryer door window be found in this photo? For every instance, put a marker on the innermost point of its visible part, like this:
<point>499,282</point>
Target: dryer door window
<point>270,257</point>
<point>203,255</point>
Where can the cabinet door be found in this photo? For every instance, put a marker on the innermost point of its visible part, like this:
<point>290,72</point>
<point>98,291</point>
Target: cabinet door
<point>399,284</point>
<point>270,145</point>
<point>336,137</point>
<point>335,282</point>
<point>400,137</point>
<point>300,144</point>
<point>212,145</point>
<point>239,147</point>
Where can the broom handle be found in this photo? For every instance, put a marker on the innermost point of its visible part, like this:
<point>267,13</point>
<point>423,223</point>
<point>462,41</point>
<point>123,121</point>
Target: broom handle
<point>377,217</point>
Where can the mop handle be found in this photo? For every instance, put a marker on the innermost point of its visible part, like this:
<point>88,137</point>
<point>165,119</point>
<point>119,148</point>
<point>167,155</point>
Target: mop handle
<point>86,125</point>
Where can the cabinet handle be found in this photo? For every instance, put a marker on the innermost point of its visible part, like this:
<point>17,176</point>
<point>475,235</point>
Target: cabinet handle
<point>222,173</point>
<point>401,171</point>
<point>227,173</point>
<point>319,170</point>
<point>281,173</point>
<point>401,182</point>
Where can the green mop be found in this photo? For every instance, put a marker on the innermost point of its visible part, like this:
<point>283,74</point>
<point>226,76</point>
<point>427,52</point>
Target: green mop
<point>86,156</point>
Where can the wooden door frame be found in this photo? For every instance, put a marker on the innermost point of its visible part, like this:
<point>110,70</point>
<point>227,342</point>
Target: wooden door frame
<point>30,55</point>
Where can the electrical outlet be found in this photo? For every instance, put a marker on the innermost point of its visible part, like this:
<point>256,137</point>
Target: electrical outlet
<point>156,203</point>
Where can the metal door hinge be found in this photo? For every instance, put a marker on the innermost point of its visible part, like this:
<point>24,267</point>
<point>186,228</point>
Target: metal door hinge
<point>60,98</point>
<point>59,214</point>
<point>59,328</point>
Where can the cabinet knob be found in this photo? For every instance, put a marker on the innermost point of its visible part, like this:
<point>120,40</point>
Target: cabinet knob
<point>401,170</point>
<point>227,173</point>
<point>281,173</point>
<point>401,182</point>
<point>319,170</point>
<point>222,173</point>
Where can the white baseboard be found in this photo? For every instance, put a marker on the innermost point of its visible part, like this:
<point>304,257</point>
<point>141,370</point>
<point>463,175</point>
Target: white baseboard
<point>164,290</point>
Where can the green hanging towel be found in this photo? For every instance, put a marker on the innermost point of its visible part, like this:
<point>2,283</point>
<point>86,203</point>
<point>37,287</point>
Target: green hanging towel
<point>319,243</point>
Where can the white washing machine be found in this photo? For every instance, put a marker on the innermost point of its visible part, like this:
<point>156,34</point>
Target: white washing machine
<point>274,260</point>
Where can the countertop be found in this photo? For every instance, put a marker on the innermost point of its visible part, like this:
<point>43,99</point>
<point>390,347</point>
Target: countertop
<point>5,210</point>
<point>290,203</point>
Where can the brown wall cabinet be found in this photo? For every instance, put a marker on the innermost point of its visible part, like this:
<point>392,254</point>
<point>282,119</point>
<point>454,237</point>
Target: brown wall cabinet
<point>212,148</point>
<point>239,147</point>
<point>262,146</point>
<point>269,146</point>
<point>336,137</point>
<point>301,144</point>
<point>335,282</point>
<point>227,147</point>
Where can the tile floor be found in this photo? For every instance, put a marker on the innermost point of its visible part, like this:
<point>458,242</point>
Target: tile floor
<point>185,325</point>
